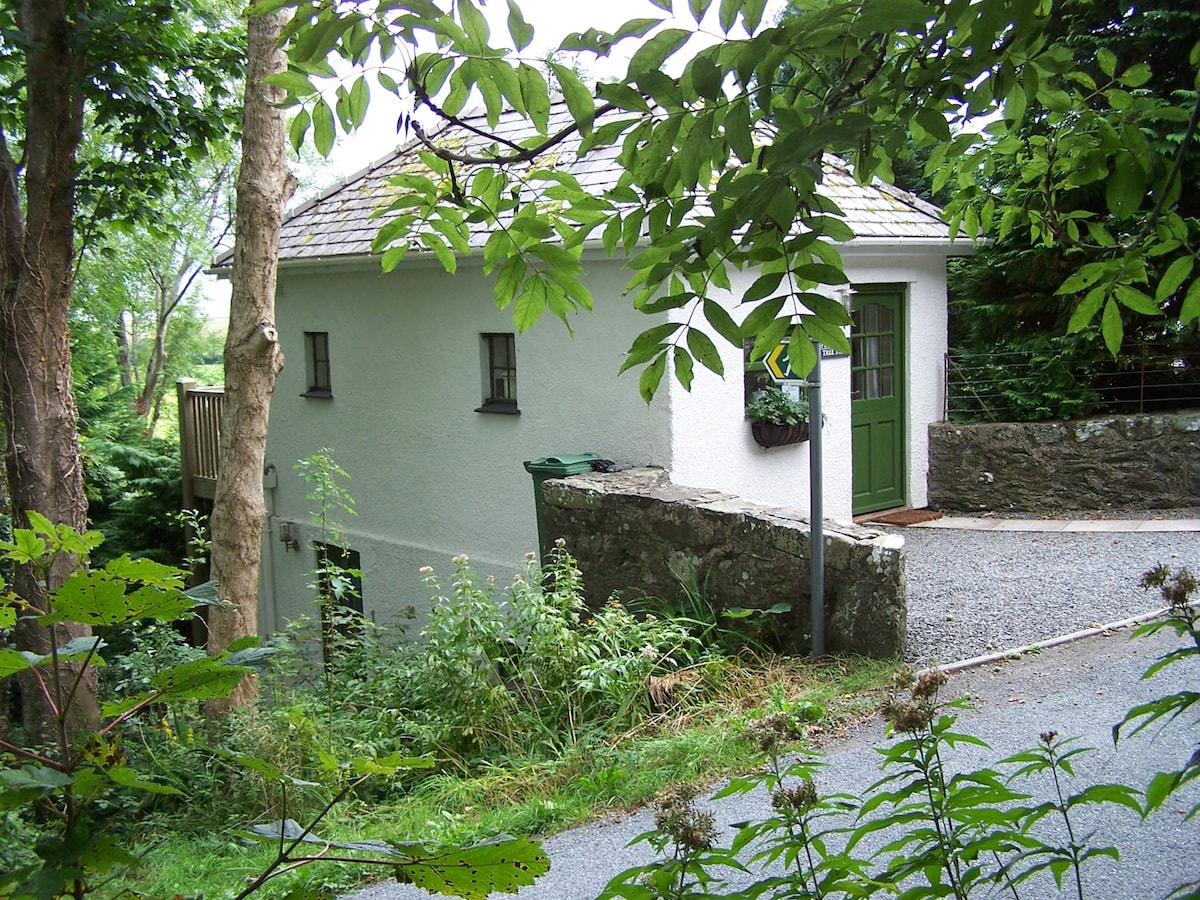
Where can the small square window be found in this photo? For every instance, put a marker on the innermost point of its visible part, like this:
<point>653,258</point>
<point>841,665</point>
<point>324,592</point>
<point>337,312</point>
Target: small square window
<point>498,357</point>
<point>316,364</point>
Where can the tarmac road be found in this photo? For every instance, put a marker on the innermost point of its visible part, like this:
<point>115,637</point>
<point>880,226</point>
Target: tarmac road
<point>1079,689</point>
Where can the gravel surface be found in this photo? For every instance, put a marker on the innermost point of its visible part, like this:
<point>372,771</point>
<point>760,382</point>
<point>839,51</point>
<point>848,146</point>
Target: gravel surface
<point>977,592</point>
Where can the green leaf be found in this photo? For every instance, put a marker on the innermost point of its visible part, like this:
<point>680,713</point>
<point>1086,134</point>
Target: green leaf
<point>722,322</point>
<point>760,317</point>
<point>770,337</point>
<point>894,15</point>
<point>1191,303</point>
<point>1126,186</point>
<point>579,99</point>
<point>684,370</point>
<point>11,662</point>
<point>323,127</point>
<point>530,304</point>
<point>828,334</point>
<point>705,350</point>
<point>520,30</point>
<point>508,281</point>
<point>1176,274</point>
<point>764,286</point>
<point>821,274</point>
<point>707,77</point>
<point>652,377</point>
<point>1111,327</point>
<point>126,777</point>
<point>652,54</point>
<point>1136,300</point>
<point>802,355</point>
<point>97,598</point>
<point>698,8</point>
<point>1086,310</point>
<point>298,129</point>
<point>1136,75</point>
<point>477,873</point>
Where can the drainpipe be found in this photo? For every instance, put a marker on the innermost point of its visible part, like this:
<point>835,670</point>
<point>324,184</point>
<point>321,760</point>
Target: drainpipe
<point>269,613</point>
<point>816,488</point>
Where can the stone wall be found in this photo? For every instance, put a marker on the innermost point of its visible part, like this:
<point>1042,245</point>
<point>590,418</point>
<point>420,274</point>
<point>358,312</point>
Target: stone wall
<point>1132,462</point>
<point>632,531</point>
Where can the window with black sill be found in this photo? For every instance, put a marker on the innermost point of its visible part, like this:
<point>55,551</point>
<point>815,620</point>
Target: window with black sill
<point>316,364</point>
<point>498,362</point>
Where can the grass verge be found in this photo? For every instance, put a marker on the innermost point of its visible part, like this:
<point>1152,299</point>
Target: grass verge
<point>697,740</point>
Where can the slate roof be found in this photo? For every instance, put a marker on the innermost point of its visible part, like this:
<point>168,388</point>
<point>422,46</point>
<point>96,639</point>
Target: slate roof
<point>339,223</point>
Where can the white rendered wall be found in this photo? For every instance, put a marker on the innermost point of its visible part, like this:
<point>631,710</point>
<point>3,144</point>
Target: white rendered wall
<point>431,477</point>
<point>713,446</point>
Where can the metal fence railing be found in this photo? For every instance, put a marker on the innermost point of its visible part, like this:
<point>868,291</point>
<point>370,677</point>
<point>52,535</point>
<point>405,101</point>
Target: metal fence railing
<point>1038,386</point>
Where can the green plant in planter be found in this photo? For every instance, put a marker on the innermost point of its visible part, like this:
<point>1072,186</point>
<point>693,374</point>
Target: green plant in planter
<point>775,406</point>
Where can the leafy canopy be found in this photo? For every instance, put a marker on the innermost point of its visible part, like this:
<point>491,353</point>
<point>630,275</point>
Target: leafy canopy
<point>722,165</point>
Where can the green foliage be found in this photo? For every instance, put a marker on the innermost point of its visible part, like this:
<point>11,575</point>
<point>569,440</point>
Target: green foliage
<point>159,85</point>
<point>1177,589</point>
<point>542,668</point>
<point>722,165</point>
<point>70,788</point>
<point>775,405</point>
<point>60,801</point>
<point>938,832</point>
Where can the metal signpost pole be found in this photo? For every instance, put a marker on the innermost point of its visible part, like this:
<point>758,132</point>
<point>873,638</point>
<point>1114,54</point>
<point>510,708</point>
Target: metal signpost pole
<point>816,511</point>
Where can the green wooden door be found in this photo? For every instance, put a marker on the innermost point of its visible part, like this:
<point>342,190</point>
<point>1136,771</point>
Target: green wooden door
<point>877,407</point>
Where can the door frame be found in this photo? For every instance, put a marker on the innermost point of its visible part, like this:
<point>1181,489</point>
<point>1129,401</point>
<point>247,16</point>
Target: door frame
<point>865,293</point>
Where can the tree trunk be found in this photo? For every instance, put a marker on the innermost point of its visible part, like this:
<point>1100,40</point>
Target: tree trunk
<point>36,258</point>
<point>252,355</point>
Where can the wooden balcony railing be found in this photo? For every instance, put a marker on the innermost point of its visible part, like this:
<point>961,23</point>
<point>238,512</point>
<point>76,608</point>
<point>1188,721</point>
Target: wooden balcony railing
<point>199,439</point>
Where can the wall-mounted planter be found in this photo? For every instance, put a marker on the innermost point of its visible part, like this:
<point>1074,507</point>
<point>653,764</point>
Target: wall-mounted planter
<point>768,434</point>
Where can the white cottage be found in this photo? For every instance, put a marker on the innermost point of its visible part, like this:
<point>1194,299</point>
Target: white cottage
<point>431,402</point>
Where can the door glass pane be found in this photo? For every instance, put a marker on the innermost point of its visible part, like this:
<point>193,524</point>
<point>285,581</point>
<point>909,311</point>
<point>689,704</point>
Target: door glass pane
<point>885,319</point>
<point>885,351</point>
<point>872,392</point>
<point>871,319</point>
<point>871,351</point>
<point>885,382</point>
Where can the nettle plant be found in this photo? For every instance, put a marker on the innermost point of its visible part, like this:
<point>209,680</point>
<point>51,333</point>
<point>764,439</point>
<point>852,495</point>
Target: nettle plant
<point>923,830</point>
<point>73,796</point>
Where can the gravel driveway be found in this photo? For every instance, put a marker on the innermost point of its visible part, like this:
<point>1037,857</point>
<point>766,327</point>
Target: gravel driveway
<point>976,592</point>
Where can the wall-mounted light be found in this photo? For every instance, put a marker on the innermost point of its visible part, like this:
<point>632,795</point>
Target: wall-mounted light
<point>290,541</point>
